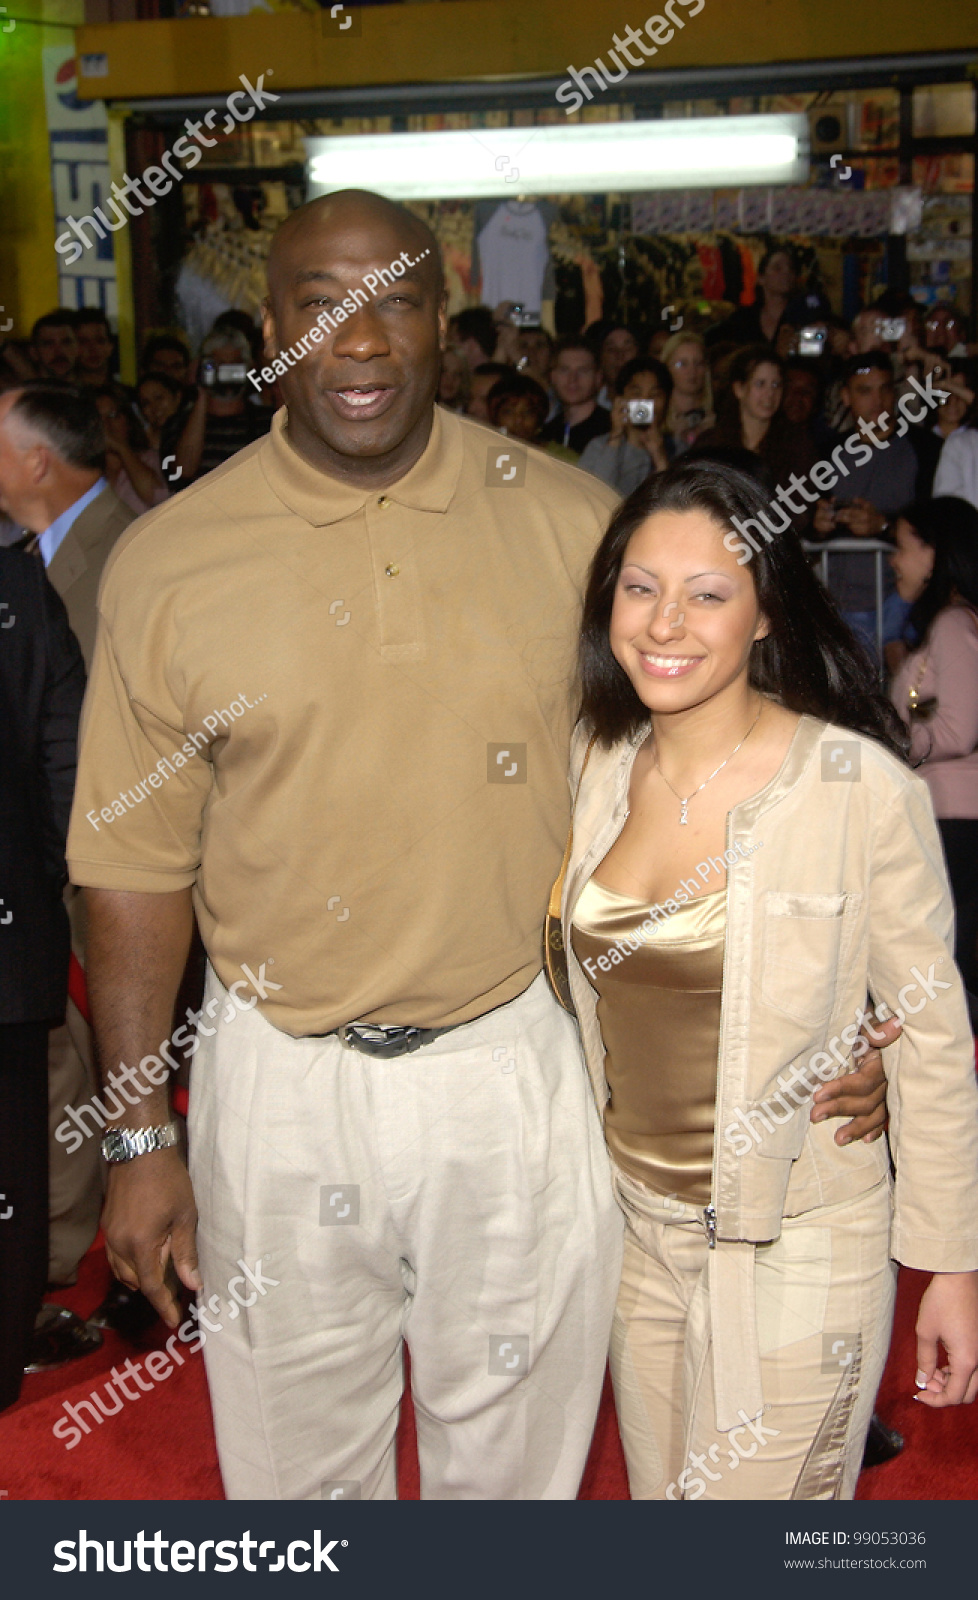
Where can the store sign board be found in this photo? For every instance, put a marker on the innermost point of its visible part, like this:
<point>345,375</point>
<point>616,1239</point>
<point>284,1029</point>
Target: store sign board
<point>79,139</point>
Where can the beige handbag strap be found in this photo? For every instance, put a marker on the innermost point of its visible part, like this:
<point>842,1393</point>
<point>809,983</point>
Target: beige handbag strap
<point>556,893</point>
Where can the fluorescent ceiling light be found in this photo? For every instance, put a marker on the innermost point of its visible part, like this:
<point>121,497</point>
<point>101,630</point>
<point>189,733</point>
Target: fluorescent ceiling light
<point>584,158</point>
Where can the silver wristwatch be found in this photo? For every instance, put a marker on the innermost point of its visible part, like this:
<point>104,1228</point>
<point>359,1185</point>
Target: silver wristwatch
<point>124,1144</point>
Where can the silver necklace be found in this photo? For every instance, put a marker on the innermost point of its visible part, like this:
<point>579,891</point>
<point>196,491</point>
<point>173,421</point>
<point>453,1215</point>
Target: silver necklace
<point>683,815</point>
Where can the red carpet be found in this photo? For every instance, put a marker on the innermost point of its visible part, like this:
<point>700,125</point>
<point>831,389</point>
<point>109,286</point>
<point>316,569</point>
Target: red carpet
<point>161,1446</point>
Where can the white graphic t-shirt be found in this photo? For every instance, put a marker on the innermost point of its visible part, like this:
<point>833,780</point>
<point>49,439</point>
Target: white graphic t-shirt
<point>513,254</point>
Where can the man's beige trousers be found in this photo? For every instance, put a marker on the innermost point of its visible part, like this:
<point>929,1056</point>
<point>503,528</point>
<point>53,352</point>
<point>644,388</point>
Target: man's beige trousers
<point>824,1298</point>
<point>457,1199</point>
<point>75,1184</point>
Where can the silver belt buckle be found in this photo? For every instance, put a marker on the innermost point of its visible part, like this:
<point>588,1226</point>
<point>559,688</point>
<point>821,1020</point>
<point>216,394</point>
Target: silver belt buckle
<point>387,1043</point>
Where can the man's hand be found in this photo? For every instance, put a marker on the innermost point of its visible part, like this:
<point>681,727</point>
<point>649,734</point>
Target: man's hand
<point>149,1220</point>
<point>860,1094</point>
<point>824,518</point>
<point>948,1313</point>
<point>862,519</point>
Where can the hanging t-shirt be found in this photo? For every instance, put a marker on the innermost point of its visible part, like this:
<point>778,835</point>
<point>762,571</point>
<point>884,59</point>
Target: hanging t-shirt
<point>513,254</point>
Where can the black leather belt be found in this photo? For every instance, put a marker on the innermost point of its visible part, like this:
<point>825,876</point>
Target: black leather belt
<point>371,1040</point>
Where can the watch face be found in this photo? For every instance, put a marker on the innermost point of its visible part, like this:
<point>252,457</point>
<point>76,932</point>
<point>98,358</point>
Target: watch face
<point>114,1146</point>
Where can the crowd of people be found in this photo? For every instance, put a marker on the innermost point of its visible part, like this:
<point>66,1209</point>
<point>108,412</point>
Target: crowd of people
<point>183,416</point>
<point>679,440</point>
<point>777,388</point>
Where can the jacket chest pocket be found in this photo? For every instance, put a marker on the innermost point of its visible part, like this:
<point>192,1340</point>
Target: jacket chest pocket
<point>805,936</point>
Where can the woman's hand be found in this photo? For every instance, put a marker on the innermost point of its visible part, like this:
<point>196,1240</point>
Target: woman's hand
<point>949,1313</point>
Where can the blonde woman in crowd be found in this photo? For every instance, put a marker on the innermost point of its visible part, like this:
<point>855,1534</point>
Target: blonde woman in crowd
<point>691,408</point>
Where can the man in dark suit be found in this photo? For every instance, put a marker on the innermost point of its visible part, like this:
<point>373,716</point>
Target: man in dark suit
<point>42,680</point>
<point>52,460</point>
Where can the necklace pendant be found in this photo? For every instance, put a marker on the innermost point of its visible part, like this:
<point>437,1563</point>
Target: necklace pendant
<point>683,818</point>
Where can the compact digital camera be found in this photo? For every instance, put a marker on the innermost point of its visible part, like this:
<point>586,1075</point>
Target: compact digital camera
<point>641,413</point>
<point>811,341</point>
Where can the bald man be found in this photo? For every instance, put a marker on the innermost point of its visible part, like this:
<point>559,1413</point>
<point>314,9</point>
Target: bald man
<point>346,658</point>
<point>330,711</point>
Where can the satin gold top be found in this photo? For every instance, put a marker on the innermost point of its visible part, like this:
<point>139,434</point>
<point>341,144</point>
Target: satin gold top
<point>659,1013</point>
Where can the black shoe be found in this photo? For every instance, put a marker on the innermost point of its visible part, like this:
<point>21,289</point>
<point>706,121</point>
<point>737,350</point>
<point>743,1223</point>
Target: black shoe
<point>59,1337</point>
<point>125,1311</point>
<point>882,1443</point>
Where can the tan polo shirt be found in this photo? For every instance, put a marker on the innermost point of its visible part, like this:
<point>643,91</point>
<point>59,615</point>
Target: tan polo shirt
<point>298,698</point>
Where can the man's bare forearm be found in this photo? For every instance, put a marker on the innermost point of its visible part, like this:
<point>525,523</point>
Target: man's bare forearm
<point>137,950</point>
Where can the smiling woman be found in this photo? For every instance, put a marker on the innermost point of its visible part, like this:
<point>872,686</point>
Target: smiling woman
<point>716,697</point>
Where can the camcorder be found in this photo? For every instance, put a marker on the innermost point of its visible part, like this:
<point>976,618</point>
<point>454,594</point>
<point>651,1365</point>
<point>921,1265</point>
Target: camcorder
<point>521,318</point>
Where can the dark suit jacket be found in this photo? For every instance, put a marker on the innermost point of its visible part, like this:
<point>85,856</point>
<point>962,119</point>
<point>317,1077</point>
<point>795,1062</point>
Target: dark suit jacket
<point>42,680</point>
<point>78,561</point>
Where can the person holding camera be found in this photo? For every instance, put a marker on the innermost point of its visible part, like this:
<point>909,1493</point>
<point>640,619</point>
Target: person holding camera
<point>635,446</point>
<point>222,420</point>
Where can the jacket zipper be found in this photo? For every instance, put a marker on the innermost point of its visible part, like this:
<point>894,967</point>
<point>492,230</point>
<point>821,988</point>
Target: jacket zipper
<point>710,1211</point>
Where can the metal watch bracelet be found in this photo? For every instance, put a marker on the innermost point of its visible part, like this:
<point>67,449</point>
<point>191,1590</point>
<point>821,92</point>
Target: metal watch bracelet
<point>125,1144</point>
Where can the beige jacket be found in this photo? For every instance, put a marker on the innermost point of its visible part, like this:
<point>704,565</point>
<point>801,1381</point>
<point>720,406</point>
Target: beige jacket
<point>76,567</point>
<point>835,889</point>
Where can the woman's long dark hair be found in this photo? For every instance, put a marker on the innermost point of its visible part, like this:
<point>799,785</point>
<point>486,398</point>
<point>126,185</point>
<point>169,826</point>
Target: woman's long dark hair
<point>728,432</point>
<point>765,262</point>
<point>809,661</point>
<point>950,527</point>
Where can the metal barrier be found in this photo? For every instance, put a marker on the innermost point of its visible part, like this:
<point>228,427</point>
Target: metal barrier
<point>878,548</point>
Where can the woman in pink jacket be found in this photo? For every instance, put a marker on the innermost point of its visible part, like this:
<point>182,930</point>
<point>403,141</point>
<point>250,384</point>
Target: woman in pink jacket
<point>936,689</point>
